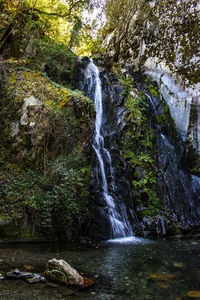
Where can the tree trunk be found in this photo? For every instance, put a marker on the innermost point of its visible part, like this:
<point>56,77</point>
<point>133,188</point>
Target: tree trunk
<point>117,47</point>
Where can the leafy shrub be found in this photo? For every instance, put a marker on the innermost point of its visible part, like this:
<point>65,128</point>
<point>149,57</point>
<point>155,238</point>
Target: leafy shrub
<point>137,145</point>
<point>51,202</point>
<point>153,90</point>
<point>56,58</point>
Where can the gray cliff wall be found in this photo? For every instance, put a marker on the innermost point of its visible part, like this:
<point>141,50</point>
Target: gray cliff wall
<point>163,39</point>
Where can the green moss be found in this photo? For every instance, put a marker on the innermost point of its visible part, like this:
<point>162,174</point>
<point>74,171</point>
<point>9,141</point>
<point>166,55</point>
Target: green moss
<point>153,90</point>
<point>161,118</point>
<point>137,147</point>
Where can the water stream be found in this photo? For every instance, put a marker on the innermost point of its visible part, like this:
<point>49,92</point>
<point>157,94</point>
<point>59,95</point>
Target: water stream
<point>138,270</point>
<point>120,225</point>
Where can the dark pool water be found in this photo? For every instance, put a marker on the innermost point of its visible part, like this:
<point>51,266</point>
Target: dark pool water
<point>138,269</point>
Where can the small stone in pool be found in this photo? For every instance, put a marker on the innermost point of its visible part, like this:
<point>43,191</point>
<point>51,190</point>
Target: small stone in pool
<point>52,284</point>
<point>43,279</point>
<point>65,291</point>
<point>2,277</point>
<point>34,279</point>
<point>16,274</point>
<point>178,265</point>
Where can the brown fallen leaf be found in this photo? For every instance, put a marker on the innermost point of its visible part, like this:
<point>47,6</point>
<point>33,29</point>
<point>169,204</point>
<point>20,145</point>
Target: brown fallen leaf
<point>28,267</point>
<point>178,265</point>
<point>162,276</point>
<point>194,294</point>
<point>88,282</point>
<point>163,285</point>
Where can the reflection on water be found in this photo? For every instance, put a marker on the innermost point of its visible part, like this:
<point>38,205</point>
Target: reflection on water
<point>134,270</point>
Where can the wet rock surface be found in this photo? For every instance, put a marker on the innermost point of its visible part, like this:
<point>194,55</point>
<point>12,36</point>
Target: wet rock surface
<point>155,226</point>
<point>177,188</point>
<point>99,225</point>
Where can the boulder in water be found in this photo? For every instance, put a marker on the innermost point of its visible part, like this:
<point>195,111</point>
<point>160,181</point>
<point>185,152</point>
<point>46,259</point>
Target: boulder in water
<point>61,271</point>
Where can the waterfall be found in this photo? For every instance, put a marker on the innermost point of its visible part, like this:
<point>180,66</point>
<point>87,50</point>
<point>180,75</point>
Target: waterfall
<point>117,215</point>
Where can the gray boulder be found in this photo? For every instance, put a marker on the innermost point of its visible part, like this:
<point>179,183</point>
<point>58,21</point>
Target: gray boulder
<point>61,271</point>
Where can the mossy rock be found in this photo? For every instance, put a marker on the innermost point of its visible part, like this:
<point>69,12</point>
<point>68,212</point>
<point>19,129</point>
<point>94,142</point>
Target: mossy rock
<point>61,271</point>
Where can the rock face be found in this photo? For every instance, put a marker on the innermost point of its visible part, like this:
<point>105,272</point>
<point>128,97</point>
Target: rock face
<point>61,271</point>
<point>177,188</point>
<point>163,40</point>
<point>148,152</point>
<point>116,171</point>
<point>176,96</point>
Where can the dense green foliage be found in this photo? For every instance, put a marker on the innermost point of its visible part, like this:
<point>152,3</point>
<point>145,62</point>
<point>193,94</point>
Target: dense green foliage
<point>45,167</point>
<point>165,30</point>
<point>61,22</point>
<point>57,59</point>
<point>137,146</point>
<point>119,16</point>
<point>47,203</point>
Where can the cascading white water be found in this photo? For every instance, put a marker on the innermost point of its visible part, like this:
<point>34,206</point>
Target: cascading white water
<point>119,221</point>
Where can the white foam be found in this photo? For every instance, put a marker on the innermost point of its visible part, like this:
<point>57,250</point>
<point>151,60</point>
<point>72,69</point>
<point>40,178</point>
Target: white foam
<point>129,240</point>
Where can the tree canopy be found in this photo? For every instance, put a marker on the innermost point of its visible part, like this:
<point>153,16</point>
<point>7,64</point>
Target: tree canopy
<point>119,15</point>
<point>65,21</point>
<point>59,20</point>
